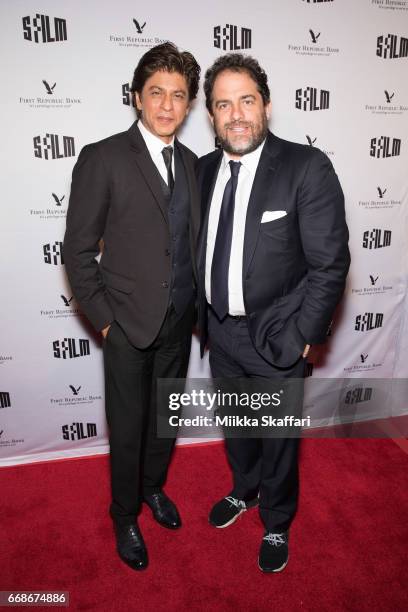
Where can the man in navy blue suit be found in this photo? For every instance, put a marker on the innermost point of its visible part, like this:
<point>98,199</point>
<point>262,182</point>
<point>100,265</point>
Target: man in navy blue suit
<point>272,264</point>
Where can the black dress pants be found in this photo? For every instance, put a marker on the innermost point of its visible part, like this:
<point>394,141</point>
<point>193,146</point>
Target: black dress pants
<point>139,459</point>
<point>264,466</point>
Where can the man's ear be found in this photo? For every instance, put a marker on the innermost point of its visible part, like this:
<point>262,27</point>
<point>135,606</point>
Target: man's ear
<point>138,101</point>
<point>268,109</point>
<point>211,117</point>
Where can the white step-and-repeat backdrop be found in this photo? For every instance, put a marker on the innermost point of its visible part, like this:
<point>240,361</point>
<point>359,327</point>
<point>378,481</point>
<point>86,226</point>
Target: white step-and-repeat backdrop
<point>338,78</point>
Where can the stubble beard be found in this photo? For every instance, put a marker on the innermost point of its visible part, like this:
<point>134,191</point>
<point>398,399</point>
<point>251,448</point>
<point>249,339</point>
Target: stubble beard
<point>259,132</point>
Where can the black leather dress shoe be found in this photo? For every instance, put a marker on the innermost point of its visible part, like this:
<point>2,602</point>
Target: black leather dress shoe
<point>164,510</point>
<point>131,547</point>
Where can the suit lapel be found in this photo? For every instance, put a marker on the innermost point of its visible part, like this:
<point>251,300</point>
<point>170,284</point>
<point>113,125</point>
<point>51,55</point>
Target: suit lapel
<point>268,164</point>
<point>147,167</point>
<point>206,185</point>
<point>193,199</point>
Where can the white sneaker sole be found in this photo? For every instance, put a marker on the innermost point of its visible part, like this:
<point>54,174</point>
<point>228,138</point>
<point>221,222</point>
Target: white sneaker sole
<point>275,571</point>
<point>234,518</point>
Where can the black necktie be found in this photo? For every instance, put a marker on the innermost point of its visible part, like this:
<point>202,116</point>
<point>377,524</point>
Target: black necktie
<point>167,153</point>
<point>222,248</point>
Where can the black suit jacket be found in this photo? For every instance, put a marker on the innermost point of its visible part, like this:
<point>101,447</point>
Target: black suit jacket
<point>116,195</point>
<point>294,267</point>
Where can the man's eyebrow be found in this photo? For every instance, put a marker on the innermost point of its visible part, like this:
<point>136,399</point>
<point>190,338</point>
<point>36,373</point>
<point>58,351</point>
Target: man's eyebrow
<point>244,97</point>
<point>183,91</point>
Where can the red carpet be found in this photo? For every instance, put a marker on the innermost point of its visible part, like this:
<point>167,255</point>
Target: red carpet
<point>348,546</point>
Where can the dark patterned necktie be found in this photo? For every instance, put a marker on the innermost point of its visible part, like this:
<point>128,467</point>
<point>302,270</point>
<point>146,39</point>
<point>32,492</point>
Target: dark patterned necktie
<point>222,248</point>
<point>167,153</point>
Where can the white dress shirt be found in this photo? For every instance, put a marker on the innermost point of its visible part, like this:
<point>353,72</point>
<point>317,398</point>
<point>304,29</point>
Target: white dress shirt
<point>155,147</point>
<point>245,181</point>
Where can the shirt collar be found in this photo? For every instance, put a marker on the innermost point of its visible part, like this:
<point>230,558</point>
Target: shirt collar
<point>154,144</point>
<point>250,161</point>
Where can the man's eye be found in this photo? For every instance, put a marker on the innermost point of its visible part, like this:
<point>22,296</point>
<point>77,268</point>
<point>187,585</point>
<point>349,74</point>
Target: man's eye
<point>179,96</point>
<point>155,93</point>
<point>248,102</point>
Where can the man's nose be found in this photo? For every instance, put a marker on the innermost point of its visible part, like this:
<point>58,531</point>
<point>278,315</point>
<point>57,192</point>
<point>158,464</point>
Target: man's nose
<point>236,112</point>
<point>167,102</point>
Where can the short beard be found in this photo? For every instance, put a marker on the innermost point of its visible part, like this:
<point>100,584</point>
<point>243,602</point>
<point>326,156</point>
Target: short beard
<point>253,144</point>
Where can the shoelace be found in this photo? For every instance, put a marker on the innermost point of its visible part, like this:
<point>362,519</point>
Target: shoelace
<point>275,539</point>
<point>238,503</point>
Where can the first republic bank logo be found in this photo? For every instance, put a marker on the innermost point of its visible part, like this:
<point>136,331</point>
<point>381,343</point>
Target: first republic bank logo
<point>232,38</point>
<point>44,29</point>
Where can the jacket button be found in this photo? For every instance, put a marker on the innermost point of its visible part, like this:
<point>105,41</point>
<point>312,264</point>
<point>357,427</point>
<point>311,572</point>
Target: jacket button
<point>165,284</point>
<point>167,252</point>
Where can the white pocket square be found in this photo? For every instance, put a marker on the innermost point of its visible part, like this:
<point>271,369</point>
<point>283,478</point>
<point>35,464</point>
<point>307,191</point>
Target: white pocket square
<point>272,215</point>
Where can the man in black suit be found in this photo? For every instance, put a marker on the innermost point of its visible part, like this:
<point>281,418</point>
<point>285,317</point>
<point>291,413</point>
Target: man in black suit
<point>137,191</point>
<point>273,258</point>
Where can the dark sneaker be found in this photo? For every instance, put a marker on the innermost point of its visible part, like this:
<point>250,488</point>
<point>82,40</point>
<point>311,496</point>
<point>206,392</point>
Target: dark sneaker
<point>274,552</point>
<point>226,511</point>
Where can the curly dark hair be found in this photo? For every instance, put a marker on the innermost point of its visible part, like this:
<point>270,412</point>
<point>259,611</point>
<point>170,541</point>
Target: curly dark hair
<point>236,62</point>
<point>167,57</point>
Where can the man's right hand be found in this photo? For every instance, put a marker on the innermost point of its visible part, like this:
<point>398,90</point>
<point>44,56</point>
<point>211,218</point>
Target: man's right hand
<point>105,330</point>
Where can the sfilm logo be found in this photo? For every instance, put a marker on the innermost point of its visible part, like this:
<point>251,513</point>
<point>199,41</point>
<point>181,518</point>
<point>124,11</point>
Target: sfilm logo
<point>5,401</point>
<point>316,1</point>
<point>312,99</point>
<point>392,46</point>
<point>53,253</point>
<point>79,431</point>
<point>385,146</point>
<point>376,239</point>
<point>70,348</point>
<point>232,37</point>
<point>43,28</point>
<point>50,147</point>
<point>127,97</point>
<point>358,395</point>
<point>368,321</point>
